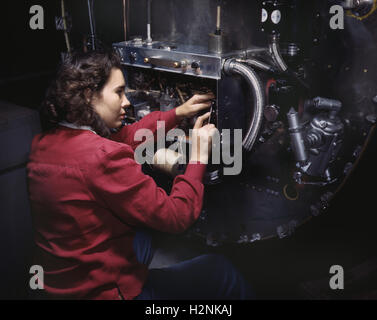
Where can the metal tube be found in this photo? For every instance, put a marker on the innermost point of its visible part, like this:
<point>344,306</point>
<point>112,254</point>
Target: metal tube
<point>258,65</point>
<point>231,66</point>
<point>274,48</point>
<point>276,55</point>
<point>92,24</point>
<point>295,131</point>
<point>149,21</point>
<point>218,21</point>
<point>65,27</point>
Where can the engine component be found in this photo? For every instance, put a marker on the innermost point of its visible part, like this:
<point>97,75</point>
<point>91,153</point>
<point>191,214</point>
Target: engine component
<point>258,65</point>
<point>231,66</point>
<point>271,113</point>
<point>323,138</point>
<point>217,40</point>
<point>149,22</point>
<point>319,103</point>
<point>276,54</point>
<point>296,133</point>
<point>359,8</point>
<point>141,110</point>
<point>167,103</point>
<point>264,85</point>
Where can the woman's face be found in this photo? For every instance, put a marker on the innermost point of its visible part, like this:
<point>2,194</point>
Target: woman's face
<point>111,102</point>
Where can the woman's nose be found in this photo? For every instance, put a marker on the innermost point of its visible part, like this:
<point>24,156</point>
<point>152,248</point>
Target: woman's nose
<point>125,102</point>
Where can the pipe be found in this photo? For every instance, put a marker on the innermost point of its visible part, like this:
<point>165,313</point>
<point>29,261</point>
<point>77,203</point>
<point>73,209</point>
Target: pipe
<point>296,133</point>
<point>65,28</point>
<point>149,21</point>
<point>231,66</point>
<point>92,25</point>
<point>258,65</point>
<point>274,49</point>
<point>218,21</point>
<point>276,55</point>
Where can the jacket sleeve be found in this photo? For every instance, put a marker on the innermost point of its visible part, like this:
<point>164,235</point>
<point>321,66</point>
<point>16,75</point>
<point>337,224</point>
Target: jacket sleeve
<point>127,133</point>
<point>118,183</point>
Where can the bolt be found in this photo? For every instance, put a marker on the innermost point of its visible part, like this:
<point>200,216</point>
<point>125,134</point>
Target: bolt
<point>255,237</point>
<point>323,124</point>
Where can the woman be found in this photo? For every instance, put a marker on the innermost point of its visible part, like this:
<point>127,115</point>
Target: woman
<point>88,194</point>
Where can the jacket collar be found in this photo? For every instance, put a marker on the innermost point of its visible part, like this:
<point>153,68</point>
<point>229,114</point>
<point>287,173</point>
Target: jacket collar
<point>74,126</point>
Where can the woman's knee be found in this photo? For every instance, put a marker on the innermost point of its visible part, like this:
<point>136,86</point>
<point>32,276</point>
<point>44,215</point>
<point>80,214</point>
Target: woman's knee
<point>143,247</point>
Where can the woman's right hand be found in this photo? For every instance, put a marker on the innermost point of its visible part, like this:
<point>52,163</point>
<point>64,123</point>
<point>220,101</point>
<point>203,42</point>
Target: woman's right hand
<point>202,139</point>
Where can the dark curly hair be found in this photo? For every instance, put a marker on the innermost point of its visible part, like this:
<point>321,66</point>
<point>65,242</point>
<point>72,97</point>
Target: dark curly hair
<point>80,77</point>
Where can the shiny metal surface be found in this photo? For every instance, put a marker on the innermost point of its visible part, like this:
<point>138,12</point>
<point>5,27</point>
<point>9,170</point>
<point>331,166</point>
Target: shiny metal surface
<point>177,58</point>
<point>190,22</point>
<point>272,196</point>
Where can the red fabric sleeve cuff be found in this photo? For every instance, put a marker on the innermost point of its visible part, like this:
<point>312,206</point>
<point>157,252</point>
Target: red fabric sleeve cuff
<point>196,170</point>
<point>171,119</point>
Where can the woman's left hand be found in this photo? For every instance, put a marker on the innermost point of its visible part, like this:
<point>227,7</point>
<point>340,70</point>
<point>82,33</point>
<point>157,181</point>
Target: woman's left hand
<point>191,107</point>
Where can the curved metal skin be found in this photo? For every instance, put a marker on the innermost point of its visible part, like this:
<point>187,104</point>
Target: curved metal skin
<point>231,66</point>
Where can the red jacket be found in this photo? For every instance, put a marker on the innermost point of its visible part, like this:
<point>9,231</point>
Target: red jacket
<point>87,194</point>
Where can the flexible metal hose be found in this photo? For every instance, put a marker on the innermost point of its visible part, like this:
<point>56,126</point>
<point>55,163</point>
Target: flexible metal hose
<point>258,65</point>
<point>276,55</point>
<point>274,48</point>
<point>231,66</point>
